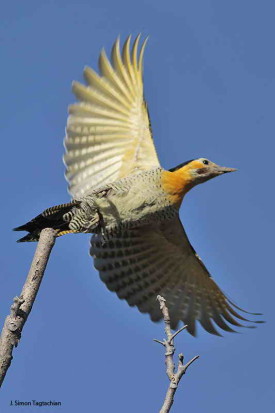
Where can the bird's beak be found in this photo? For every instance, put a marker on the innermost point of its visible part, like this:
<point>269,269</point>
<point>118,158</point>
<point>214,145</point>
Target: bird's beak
<point>223,169</point>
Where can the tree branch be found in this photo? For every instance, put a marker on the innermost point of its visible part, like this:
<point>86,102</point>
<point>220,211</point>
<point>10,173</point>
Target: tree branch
<point>22,305</point>
<point>174,376</point>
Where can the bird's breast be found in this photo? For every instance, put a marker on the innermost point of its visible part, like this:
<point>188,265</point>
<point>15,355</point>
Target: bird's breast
<point>139,204</point>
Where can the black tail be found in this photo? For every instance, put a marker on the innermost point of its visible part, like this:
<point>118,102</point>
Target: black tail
<point>50,218</point>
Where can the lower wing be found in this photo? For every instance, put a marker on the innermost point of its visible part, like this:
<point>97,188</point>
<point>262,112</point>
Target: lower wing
<point>140,263</point>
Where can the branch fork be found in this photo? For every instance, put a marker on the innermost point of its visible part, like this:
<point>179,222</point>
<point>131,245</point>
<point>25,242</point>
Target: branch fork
<point>173,375</point>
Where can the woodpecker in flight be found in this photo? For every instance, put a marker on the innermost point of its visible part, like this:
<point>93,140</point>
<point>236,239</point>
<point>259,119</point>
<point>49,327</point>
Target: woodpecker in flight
<point>131,204</point>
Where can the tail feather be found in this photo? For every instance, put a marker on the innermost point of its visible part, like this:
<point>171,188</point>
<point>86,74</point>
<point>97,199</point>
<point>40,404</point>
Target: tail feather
<point>50,218</point>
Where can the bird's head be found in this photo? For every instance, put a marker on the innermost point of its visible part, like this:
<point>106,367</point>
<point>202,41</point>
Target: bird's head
<point>179,180</point>
<point>200,170</point>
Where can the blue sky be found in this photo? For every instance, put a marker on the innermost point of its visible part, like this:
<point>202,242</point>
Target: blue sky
<point>209,82</point>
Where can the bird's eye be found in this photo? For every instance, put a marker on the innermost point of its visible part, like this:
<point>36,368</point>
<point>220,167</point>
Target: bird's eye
<point>205,161</point>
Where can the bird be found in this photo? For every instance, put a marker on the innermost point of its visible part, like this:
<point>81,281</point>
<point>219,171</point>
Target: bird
<point>130,204</point>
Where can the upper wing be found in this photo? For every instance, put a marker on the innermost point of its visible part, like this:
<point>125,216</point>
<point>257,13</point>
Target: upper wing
<point>138,264</point>
<point>108,133</point>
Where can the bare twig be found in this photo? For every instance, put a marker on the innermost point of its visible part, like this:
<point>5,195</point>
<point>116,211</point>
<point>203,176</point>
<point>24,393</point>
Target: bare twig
<point>22,305</point>
<point>174,376</point>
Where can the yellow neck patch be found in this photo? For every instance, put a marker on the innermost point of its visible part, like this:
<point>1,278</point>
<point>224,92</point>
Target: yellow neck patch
<point>176,184</point>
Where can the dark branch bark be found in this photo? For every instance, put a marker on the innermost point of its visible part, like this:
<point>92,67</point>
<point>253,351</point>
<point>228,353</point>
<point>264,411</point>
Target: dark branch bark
<point>174,376</point>
<point>22,305</point>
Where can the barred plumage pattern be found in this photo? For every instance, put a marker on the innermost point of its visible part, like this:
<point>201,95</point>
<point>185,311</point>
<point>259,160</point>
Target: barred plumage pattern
<point>123,196</point>
<point>140,263</point>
